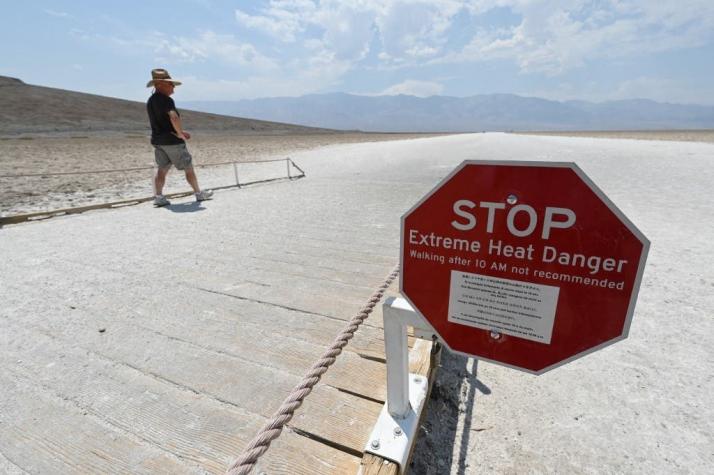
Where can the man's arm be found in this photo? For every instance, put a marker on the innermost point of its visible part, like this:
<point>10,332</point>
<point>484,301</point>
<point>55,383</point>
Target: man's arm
<point>176,122</point>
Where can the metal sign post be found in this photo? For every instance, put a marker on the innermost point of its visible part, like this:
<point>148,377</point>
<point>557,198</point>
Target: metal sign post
<point>393,435</point>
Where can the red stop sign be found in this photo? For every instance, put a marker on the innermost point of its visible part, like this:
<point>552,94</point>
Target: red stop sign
<point>526,264</point>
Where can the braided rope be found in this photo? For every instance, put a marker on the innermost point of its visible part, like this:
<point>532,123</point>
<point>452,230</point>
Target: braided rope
<point>244,463</point>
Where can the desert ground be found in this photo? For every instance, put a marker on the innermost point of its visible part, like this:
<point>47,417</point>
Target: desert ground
<point>48,155</point>
<point>676,135</point>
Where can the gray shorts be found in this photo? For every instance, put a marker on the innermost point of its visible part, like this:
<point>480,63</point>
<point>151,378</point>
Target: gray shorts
<point>176,155</point>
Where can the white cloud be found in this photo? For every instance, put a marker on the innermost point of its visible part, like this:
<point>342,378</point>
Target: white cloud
<point>555,36</point>
<point>57,14</point>
<point>209,45</point>
<point>80,34</point>
<point>416,29</point>
<point>293,83</point>
<point>201,88</point>
<point>279,28</point>
<point>548,36</point>
<point>282,19</point>
<point>406,29</point>
<point>412,87</point>
<point>348,31</point>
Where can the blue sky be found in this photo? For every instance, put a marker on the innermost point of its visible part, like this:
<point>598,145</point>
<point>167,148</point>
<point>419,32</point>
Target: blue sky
<point>224,50</point>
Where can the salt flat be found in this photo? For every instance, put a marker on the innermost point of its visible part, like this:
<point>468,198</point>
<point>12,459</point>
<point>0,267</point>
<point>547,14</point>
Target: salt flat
<point>122,329</point>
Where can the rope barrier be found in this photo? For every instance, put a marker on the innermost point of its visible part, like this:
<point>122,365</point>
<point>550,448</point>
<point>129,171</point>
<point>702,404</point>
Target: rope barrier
<point>90,172</point>
<point>245,462</point>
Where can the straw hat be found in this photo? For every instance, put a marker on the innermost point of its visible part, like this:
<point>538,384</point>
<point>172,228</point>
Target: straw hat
<point>161,75</point>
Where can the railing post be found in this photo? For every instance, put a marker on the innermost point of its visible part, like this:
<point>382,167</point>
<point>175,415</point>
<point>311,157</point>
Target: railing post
<point>235,170</point>
<point>397,353</point>
<point>287,161</point>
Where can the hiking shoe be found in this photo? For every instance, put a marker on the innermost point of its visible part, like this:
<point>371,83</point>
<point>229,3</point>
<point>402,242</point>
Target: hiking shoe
<point>160,200</point>
<point>204,195</point>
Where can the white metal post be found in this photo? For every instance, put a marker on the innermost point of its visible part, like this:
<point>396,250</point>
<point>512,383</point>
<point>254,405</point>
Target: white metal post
<point>393,434</point>
<point>397,353</point>
<point>287,161</point>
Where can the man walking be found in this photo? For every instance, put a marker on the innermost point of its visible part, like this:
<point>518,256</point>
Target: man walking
<point>169,138</point>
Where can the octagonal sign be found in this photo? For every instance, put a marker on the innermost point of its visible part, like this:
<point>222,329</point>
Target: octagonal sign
<point>525,264</point>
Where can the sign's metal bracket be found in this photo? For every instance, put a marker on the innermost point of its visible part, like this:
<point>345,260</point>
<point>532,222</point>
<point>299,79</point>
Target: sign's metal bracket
<point>393,435</point>
<point>397,307</point>
<point>393,438</point>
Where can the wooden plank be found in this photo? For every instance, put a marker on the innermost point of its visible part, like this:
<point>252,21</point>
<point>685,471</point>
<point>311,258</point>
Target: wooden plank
<point>257,347</point>
<point>375,465</point>
<point>421,359</point>
<point>334,414</point>
<point>194,429</point>
<point>21,218</point>
<point>245,238</point>
<point>331,299</point>
<point>132,296</point>
<point>35,436</point>
<point>220,314</point>
<point>297,291</point>
<point>231,247</point>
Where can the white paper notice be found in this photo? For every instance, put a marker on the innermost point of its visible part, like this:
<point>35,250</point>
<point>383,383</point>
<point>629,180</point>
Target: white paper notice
<point>512,307</point>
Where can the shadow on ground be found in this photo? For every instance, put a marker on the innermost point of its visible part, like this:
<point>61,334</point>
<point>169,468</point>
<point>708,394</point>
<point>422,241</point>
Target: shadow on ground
<point>453,397</point>
<point>191,207</point>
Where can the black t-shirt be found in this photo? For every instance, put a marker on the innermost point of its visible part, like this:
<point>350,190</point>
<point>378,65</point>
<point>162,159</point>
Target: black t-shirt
<point>162,132</point>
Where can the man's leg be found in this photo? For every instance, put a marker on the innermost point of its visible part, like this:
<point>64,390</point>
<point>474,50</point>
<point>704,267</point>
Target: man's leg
<point>186,162</point>
<point>192,180</point>
<point>160,180</point>
<point>163,165</point>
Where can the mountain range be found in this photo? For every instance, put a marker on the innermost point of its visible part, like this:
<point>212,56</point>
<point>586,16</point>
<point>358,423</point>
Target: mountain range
<point>29,109</point>
<point>491,112</point>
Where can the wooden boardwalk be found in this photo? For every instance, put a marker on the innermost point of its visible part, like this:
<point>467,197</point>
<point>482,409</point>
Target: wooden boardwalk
<point>141,340</point>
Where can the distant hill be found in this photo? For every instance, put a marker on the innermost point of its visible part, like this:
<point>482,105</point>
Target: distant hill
<point>493,112</point>
<point>27,109</point>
